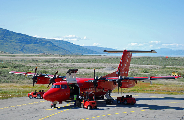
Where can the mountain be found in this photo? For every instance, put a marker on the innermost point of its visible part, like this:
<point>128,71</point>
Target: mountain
<point>76,49</point>
<point>13,42</point>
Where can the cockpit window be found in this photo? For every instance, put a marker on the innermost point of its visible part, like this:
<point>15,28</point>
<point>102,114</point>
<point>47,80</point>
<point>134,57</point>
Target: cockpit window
<point>55,86</point>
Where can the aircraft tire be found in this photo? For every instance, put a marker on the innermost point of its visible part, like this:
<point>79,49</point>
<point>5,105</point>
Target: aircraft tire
<point>125,102</point>
<point>31,97</point>
<point>82,105</point>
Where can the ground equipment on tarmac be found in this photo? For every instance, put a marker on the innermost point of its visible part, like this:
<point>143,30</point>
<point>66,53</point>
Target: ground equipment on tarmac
<point>38,95</point>
<point>89,104</point>
<point>126,100</point>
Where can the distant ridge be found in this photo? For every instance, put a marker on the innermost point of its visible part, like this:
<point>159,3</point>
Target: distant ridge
<point>18,43</point>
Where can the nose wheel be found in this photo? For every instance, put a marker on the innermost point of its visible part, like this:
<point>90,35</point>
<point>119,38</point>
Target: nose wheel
<point>53,106</point>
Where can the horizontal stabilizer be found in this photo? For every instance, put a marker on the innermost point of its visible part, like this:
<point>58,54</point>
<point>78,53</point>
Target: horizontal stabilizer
<point>132,51</point>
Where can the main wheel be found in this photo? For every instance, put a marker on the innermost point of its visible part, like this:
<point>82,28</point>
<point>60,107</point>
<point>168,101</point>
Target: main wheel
<point>125,102</point>
<point>89,107</point>
<point>31,97</point>
<point>82,105</point>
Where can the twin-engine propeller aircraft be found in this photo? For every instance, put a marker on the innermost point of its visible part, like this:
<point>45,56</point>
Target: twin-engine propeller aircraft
<point>98,87</point>
<point>41,78</point>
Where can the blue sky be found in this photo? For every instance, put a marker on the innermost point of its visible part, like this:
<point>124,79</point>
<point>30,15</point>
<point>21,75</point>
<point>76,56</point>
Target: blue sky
<point>119,24</point>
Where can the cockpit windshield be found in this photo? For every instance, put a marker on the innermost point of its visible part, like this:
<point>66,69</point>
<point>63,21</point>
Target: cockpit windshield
<point>55,86</point>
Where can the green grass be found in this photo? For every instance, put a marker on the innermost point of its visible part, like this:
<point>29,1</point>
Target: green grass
<point>9,90</point>
<point>18,85</point>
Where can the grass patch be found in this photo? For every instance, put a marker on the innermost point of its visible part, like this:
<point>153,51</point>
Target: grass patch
<point>10,90</point>
<point>19,86</point>
<point>155,88</point>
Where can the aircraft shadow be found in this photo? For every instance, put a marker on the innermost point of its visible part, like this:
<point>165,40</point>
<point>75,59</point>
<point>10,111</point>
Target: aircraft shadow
<point>164,98</point>
<point>143,106</point>
<point>101,105</point>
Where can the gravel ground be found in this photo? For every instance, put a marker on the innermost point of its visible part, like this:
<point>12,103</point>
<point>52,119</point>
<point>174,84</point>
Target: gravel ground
<point>148,106</point>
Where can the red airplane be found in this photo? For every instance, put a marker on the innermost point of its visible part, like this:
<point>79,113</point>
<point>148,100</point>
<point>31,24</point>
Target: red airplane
<point>41,78</point>
<point>97,87</point>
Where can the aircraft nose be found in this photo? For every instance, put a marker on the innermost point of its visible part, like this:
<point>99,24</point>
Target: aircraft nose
<point>50,95</point>
<point>47,96</point>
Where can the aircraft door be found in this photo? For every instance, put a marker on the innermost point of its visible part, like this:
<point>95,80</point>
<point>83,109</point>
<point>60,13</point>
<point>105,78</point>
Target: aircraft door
<point>74,90</point>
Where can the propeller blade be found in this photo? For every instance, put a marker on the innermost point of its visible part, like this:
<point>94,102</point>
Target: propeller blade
<point>118,88</point>
<point>35,70</point>
<point>34,77</point>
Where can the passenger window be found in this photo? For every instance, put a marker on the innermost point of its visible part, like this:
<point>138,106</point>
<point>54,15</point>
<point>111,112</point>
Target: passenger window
<point>65,86</point>
<point>62,87</point>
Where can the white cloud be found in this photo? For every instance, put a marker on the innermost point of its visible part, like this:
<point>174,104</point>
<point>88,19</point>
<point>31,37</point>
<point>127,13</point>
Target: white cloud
<point>96,44</point>
<point>133,44</point>
<point>66,38</point>
<point>154,45</point>
<point>156,42</point>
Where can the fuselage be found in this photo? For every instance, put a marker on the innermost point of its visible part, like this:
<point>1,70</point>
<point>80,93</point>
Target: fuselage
<point>61,91</point>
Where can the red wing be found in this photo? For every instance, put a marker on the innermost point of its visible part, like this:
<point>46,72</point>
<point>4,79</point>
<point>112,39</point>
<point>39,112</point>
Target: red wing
<point>143,78</point>
<point>151,78</point>
<point>22,73</point>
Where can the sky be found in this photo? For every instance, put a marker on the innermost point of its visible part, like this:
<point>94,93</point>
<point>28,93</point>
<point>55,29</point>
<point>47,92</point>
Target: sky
<point>118,24</point>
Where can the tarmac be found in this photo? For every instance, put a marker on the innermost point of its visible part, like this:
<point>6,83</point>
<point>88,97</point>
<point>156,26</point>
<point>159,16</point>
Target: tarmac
<point>147,107</point>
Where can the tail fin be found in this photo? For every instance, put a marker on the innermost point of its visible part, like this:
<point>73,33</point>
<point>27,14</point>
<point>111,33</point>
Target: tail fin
<point>124,64</point>
<point>123,67</point>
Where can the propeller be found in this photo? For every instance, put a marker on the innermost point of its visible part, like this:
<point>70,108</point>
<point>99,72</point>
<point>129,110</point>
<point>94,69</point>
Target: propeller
<point>119,80</point>
<point>34,78</point>
<point>95,81</point>
<point>119,83</point>
<point>52,80</point>
<point>96,78</point>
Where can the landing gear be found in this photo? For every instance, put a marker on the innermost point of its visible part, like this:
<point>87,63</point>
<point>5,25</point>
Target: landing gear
<point>53,106</point>
<point>109,98</point>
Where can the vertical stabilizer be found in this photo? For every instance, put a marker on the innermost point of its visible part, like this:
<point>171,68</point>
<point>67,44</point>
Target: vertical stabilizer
<point>123,67</point>
<point>124,64</point>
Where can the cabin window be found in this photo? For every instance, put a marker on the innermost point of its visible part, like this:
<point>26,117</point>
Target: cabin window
<point>62,87</point>
<point>65,86</point>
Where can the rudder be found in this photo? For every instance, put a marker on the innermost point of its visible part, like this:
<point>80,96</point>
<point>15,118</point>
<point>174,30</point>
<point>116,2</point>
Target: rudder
<point>123,67</point>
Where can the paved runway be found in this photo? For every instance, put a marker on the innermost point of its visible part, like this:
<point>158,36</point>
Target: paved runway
<point>148,107</point>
